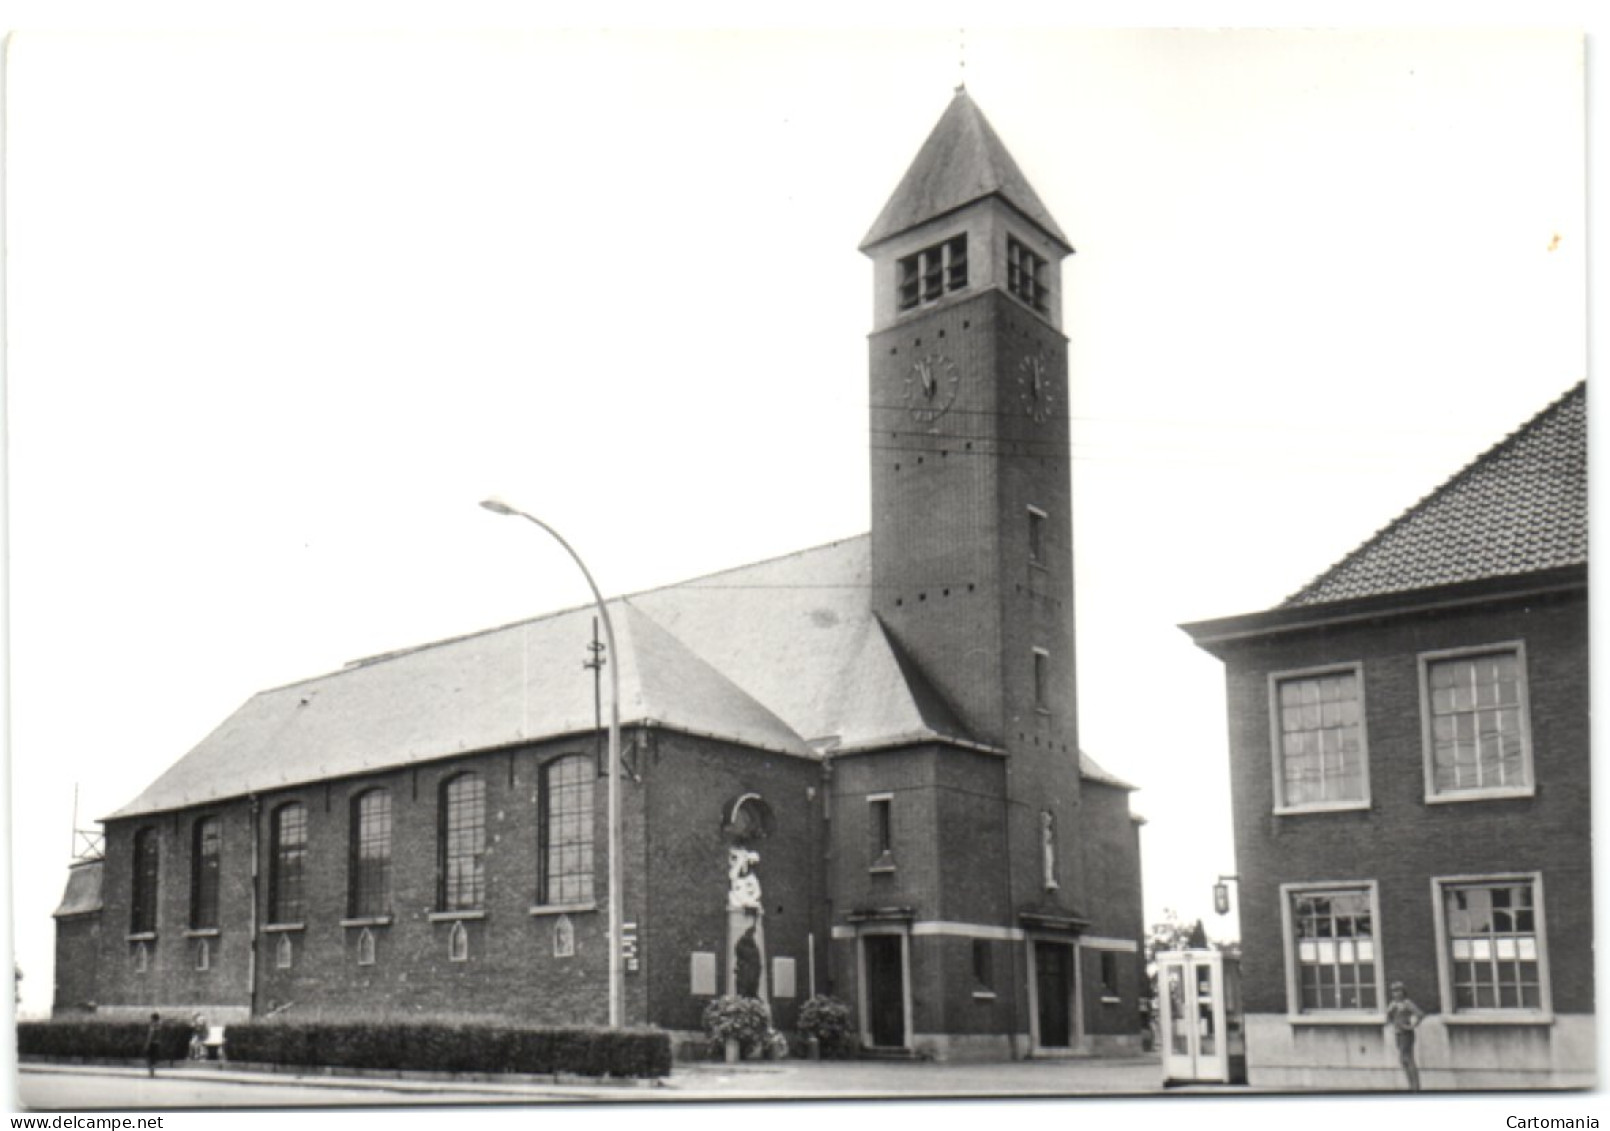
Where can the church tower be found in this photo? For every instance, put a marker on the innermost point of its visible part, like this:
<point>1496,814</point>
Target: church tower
<point>971,511</point>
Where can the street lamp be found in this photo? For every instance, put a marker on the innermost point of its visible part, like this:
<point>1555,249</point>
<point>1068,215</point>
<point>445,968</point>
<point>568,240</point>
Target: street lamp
<point>498,506</point>
<point>1221,893</point>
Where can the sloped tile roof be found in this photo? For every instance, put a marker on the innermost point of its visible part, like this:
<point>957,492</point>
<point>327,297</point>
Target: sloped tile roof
<point>963,160</point>
<point>783,655</point>
<point>1520,507</point>
<point>83,892</point>
<point>1092,770</point>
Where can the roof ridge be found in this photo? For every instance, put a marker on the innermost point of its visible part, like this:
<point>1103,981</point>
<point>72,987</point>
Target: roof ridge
<point>1483,460</point>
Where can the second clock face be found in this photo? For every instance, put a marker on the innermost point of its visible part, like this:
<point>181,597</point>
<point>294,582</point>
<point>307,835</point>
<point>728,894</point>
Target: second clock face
<point>931,386</point>
<point>1037,387</point>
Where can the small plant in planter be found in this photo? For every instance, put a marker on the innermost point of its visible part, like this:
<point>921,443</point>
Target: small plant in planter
<point>738,1025</point>
<point>826,1020</point>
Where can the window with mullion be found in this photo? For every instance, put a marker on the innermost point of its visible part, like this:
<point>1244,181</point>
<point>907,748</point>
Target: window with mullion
<point>565,831</point>
<point>1332,949</point>
<point>1318,730</point>
<point>1494,945</point>
<point>927,275</point>
<point>370,876</point>
<point>463,840</point>
<point>287,864</point>
<point>1476,723</point>
<point>206,846</point>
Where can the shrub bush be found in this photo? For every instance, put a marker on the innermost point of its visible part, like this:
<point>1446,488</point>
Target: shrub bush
<point>744,1019</point>
<point>828,1020</point>
<point>387,1045</point>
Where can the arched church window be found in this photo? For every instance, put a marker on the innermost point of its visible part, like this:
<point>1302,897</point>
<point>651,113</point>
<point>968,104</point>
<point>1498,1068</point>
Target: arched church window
<point>565,831</point>
<point>287,863</point>
<point>369,863</point>
<point>366,948</point>
<point>206,844</point>
<point>147,860</point>
<point>458,943</point>
<point>463,843</point>
<point>564,937</point>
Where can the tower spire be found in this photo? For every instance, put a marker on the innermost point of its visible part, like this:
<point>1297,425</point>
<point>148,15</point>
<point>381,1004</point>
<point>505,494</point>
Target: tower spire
<point>962,161</point>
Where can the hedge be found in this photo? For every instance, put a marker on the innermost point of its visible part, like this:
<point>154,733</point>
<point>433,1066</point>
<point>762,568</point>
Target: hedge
<point>388,1045</point>
<point>103,1038</point>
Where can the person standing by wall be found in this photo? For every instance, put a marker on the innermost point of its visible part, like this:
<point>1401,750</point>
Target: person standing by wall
<point>153,1043</point>
<point>1403,1017</point>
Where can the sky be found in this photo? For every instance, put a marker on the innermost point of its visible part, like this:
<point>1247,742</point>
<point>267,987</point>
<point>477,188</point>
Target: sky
<point>283,305</point>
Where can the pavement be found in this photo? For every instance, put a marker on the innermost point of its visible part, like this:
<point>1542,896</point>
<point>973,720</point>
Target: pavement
<point>697,1081</point>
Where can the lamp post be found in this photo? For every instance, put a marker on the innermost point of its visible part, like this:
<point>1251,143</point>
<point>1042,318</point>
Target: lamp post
<point>498,506</point>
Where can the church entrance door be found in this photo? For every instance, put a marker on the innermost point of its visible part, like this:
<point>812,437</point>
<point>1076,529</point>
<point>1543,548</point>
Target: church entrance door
<point>1053,984</point>
<point>885,989</point>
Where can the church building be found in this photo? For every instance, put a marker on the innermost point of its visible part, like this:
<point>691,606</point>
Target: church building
<point>860,761</point>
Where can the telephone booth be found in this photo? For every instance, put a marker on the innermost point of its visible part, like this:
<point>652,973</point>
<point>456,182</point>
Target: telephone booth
<point>1199,1018</point>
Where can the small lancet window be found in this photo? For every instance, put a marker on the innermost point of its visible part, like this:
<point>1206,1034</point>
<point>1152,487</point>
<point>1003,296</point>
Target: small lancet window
<point>282,953</point>
<point>366,948</point>
<point>564,937</point>
<point>458,943</point>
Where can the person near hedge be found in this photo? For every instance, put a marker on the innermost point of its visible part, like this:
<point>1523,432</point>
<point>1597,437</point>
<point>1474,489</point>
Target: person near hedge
<point>153,1043</point>
<point>198,1038</point>
<point>1403,1016</point>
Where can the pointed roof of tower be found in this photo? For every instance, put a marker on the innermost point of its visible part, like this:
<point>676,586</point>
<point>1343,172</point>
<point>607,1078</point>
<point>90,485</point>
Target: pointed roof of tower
<point>963,160</point>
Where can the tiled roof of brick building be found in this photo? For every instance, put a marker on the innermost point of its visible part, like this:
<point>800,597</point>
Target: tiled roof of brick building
<point>963,160</point>
<point>83,892</point>
<point>1520,507</point>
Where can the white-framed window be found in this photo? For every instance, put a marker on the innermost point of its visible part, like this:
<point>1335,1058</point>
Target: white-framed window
<point>1317,731</point>
<point>1492,947</point>
<point>1475,722</point>
<point>1333,953</point>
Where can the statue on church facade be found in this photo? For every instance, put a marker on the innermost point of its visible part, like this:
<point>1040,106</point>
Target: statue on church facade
<point>743,891</point>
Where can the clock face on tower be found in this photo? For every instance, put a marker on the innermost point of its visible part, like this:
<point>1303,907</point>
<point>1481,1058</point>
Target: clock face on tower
<point>931,385</point>
<point>1036,387</point>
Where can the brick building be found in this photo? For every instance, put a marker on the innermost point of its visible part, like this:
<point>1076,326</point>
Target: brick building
<point>1410,776</point>
<point>867,752</point>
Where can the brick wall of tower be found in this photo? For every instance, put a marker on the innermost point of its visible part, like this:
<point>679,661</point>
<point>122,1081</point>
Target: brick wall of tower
<point>934,508</point>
